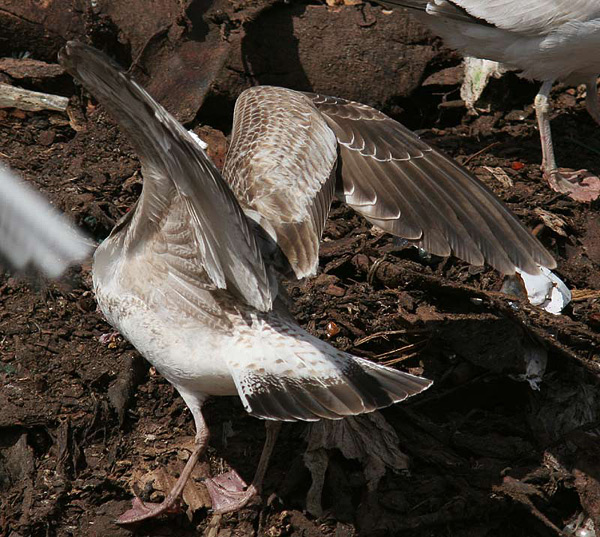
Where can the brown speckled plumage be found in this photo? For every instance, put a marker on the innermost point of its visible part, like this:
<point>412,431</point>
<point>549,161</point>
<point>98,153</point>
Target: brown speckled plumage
<point>190,278</point>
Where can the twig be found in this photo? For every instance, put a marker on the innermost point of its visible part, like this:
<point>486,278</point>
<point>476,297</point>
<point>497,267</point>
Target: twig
<point>401,349</point>
<point>475,155</point>
<point>387,333</point>
<point>388,363</point>
<point>559,334</point>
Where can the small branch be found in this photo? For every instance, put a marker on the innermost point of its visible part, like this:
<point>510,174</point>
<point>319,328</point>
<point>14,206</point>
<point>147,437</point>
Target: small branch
<point>569,338</point>
<point>480,152</point>
<point>11,97</point>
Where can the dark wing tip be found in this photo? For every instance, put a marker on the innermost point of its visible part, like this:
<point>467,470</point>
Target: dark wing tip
<point>74,53</point>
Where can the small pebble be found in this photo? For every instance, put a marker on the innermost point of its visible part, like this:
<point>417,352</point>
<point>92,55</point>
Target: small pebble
<point>332,329</point>
<point>334,290</point>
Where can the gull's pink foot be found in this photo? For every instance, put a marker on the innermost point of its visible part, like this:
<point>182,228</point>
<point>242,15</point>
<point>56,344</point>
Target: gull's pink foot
<point>579,185</point>
<point>109,338</point>
<point>229,492</point>
<point>143,511</point>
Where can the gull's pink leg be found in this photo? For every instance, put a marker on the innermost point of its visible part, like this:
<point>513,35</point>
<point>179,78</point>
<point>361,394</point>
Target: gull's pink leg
<point>579,185</point>
<point>592,102</point>
<point>542,110</point>
<point>143,511</point>
<point>229,492</point>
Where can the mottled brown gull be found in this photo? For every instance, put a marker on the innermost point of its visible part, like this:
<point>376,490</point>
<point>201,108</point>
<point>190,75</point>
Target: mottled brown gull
<point>189,275</point>
<point>546,40</point>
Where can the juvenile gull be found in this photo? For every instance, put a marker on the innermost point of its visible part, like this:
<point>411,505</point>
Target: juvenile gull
<point>546,40</point>
<point>189,275</point>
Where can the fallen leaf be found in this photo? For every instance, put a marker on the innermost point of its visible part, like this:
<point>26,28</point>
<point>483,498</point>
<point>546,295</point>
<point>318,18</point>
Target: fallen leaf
<point>554,222</point>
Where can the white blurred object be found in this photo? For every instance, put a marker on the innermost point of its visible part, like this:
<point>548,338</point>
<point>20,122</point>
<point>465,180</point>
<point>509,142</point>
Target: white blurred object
<point>477,75</point>
<point>582,526</point>
<point>546,290</point>
<point>536,361</point>
<point>33,232</point>
<point>199,140</point>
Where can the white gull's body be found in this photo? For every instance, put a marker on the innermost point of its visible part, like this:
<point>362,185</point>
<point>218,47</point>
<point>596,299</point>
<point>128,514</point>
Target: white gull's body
<point>543,39</point>
<point>546,40</point>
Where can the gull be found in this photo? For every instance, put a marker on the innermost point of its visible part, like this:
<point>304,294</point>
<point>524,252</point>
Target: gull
<point>33,233</point>
<point>190,274</point>
<point>546,40</point>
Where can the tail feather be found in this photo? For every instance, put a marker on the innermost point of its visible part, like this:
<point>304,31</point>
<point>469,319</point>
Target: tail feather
<point>362,387</point>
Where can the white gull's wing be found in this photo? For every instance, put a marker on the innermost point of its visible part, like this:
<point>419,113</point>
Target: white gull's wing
<point>175,167</point>
<point>281,165</point>
<point>33,233</point>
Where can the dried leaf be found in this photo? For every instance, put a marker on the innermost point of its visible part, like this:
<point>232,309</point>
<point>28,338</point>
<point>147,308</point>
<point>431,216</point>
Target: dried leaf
<point>500,175</point>
<point>554,222</point>
<point>368,438</point>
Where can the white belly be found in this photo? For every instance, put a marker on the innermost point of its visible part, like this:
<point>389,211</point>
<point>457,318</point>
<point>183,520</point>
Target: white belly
<point>188,354</point>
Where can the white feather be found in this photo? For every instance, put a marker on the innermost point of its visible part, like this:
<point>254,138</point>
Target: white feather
<point>32,232</point>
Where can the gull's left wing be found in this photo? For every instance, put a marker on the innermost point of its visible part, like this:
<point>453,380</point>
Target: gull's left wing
<point>407,188</point>
<point>176,168</point>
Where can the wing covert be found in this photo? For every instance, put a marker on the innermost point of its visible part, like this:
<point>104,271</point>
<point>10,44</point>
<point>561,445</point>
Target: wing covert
<point>281,166</point>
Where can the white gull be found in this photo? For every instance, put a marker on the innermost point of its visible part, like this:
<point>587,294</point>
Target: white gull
<point>546,40</point>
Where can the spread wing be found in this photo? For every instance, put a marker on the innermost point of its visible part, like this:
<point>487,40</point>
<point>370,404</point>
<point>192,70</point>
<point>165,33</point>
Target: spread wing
<point>281,165</point>
<point>33,232</point>
<point>175,168</point>
<point>406,187</point>
<point>527,17</point>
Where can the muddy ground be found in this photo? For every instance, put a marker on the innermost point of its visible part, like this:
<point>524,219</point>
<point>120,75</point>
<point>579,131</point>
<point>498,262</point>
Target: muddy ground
<point>85,423</point>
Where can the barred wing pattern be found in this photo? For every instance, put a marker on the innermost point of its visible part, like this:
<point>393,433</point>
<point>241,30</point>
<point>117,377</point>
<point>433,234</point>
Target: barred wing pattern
<point>406,187</point>
<point>281,166</point>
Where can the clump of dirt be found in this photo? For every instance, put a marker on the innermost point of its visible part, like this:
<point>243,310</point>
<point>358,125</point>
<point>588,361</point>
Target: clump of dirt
<point>85,423</point>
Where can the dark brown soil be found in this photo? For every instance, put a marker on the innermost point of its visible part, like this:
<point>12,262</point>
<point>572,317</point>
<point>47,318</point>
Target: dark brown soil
<point>84,424</point>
